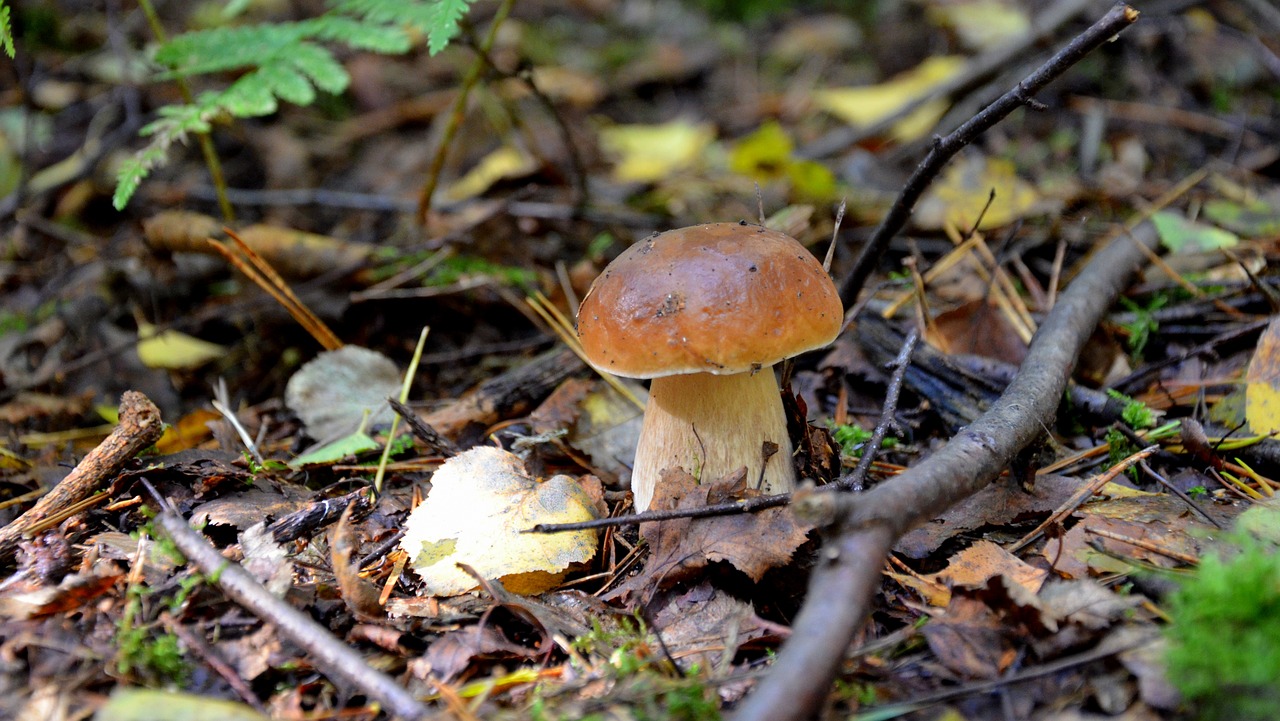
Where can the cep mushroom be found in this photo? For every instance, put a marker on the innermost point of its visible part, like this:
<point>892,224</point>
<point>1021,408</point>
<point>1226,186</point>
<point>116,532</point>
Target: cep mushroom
<point>706,311</point>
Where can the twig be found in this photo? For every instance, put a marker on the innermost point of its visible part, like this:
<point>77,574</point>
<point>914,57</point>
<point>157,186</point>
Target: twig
<point>329,654</point>
<point>139,428</point>
<point>749,505</point>
<point>1120,17</point>
<point>853,481</point>
<point>198,646</point>
<point>840,589</point>
<point>456,114</point>
<point>1070,505</point>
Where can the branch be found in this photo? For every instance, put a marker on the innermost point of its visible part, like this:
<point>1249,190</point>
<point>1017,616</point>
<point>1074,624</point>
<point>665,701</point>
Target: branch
<point>840,590</point>
<point>140,427</point>
<point>335,658</point>
<point>1120,17</point>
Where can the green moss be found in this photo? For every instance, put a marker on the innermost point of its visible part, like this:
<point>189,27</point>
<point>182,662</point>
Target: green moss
<point>1224,652</point>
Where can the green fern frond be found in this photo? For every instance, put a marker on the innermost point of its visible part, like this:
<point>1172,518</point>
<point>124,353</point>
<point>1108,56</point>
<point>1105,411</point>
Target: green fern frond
<point>6,31</point>
<point>287,63</point>
<point>437,19</point>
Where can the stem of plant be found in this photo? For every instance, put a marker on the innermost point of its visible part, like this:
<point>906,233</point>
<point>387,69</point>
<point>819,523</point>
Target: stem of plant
<point>458,111</point>
<point>206,143</point>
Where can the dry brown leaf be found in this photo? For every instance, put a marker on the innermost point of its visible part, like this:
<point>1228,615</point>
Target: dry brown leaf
<point>984,560</point>
<point>997,504</point>
<point>970,640</point>
<point>978,327</point>
<point>360,595</point>
<point>696,625</point>
<point>450,654</point>
<point>752,542</point>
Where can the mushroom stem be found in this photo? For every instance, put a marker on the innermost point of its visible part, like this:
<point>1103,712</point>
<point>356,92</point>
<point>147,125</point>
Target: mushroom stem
<point>712,425</point>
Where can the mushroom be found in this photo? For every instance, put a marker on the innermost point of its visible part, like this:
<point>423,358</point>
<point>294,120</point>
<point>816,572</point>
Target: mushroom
<point>706,311</point>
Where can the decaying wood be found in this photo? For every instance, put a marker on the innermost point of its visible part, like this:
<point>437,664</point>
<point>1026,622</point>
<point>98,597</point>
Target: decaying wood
<point>508,394</point>
<point>140,427</point>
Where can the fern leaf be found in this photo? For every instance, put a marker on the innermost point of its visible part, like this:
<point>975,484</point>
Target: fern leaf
<point>219,49</point>
<point>319,65</point>
<point>6,31</point>
<point>362,35</point>
<point>175,122</point>
<point>437,19</point>
<point>442,23</point>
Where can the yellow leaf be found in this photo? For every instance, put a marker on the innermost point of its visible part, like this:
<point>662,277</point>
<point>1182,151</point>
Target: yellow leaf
<point>869,105</point>
<point>648,153</point>
<point>961,194</point>
<point>1262,389</point>
<point>479,503</point>
<point>982,24</point>
<point>173,350</point>
<point>763,155</point>
<point>505,163</point>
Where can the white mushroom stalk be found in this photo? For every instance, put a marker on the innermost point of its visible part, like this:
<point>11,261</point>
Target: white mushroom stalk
<point>711,426</point>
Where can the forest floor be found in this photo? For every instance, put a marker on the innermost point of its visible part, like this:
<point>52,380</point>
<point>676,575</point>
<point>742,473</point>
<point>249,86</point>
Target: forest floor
<point>208,506</point>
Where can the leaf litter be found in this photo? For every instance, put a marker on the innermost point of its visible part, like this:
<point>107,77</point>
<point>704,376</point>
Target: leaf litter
<point>662,117</point>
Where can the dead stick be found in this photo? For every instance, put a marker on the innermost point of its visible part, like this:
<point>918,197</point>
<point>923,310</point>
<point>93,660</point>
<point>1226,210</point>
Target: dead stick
<point>1120,17</point>
<point>842,584</point>
<point>139,428</point>
<point>333,657</point>
<point>855,479</point>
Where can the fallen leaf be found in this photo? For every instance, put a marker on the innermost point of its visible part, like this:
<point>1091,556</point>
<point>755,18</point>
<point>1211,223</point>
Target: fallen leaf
<point>453,652</point>
<point>865,106</point>
<point>963,194</point>
<point>969,639</point>
<point>75,591</point>
<point>328,453</point>
<point>649,153</point>
<point>1262,383</point>
<point>136,704</point>
<point>975,565</point>
<point>1181,235</point>
<point>751,542</point>
<point>171,350</point>
<point>767,156</point>
<point>978,327</point>
<point>695,624</point>
<point>997,504</point>
<point>505,163</point>
<point>480,503</point>
<point>981,24</point>
<point>334,392</point>
<point>1258,218</point>
<point>360,595</point>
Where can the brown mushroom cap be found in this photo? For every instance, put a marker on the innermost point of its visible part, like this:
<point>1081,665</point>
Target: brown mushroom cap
<point>720,298</point>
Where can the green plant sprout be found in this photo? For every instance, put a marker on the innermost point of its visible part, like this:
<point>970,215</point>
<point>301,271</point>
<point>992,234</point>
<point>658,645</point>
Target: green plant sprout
<point>851,438</point>
<point>288,61</point>
<point>1136,414</point>
<point>1144,322</point>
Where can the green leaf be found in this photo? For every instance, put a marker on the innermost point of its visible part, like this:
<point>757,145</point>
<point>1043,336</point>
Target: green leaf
<point>6,31</point>
<point>320,65</point>
<point>1180,235</point>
